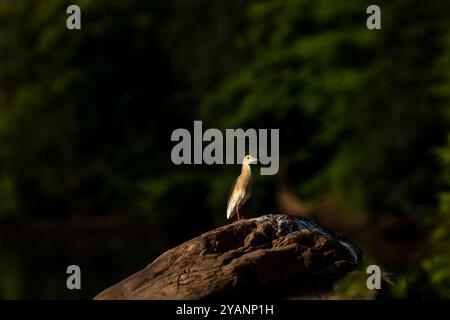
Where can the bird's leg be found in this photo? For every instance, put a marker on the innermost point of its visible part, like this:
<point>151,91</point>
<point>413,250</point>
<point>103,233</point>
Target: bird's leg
<point>237,211</point>
<point>242,214</point>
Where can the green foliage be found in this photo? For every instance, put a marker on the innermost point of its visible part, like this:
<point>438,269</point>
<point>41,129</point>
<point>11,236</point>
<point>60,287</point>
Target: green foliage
<point>436,250</point>
<point>86,116</point>
<point>353,286</point>
<point>364,99</point>
<point>431,277</point>
<point>354,106</point>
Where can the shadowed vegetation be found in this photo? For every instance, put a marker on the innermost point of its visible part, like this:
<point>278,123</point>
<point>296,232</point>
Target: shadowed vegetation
<point>86,118</point>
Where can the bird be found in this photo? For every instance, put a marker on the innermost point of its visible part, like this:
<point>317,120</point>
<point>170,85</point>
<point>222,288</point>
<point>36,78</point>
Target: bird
<point>241,189</point>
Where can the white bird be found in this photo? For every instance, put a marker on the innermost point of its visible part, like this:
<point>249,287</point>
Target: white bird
<point>241,189</point>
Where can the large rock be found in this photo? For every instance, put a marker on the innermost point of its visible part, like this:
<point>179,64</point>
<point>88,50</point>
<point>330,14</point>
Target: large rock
<point>273,255</point>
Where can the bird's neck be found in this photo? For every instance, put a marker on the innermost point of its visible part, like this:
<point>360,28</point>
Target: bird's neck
<point>246,171</point>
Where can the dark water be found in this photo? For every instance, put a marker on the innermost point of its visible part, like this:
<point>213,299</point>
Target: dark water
<point>33,263</point>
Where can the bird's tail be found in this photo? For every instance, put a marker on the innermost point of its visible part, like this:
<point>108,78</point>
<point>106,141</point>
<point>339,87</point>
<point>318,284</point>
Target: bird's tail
<point>230,212</point>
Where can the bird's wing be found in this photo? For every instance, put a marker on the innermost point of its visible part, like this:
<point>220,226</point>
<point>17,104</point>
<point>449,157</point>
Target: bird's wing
<point>233,200</point>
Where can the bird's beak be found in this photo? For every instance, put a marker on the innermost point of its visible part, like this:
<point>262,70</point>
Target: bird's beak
<point>252,160</point>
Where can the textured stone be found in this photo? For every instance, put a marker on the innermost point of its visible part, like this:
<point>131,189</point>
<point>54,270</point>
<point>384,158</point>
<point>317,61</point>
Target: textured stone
<point>269,256</point>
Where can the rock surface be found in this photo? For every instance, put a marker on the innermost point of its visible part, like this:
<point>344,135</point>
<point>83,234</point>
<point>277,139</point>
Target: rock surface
<point>269,256</point>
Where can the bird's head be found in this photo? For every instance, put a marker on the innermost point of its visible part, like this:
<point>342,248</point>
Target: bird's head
<point>248,159</point>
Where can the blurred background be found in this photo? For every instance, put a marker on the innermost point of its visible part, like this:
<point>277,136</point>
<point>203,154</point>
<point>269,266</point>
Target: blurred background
<point>86,117</point>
